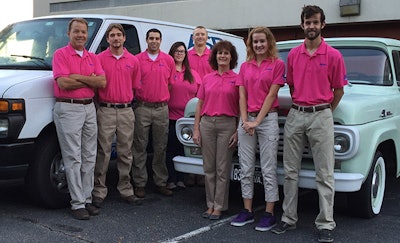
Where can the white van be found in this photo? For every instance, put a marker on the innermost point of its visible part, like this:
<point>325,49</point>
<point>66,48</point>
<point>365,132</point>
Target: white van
<point>28,142</point>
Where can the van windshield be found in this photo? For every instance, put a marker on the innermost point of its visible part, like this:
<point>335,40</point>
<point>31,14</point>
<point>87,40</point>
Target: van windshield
<point>30,45</point>
<point>364,65</point>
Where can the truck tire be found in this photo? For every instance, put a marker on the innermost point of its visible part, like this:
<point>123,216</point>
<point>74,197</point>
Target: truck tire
<point>367,202</point>
<point>46,179</point>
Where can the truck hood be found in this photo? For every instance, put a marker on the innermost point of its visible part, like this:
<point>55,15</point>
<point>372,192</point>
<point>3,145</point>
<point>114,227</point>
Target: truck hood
<point>360,104</point>
<point>25,83</point>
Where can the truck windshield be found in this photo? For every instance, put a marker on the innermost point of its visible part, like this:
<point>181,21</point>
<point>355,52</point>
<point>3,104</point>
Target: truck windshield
<point>363,65</point>
<point>30,45</point>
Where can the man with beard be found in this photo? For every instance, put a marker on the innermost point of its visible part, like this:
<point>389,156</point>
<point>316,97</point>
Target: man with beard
<point>316,75</point>
<point>115,115</point>
<point>157,74</point>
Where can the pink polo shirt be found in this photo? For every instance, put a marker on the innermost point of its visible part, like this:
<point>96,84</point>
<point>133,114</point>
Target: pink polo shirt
<point>257,80</point>
<point>220,94</point>
<point>181,92</point>
<point>66,62</point>
<point>200,63</point>
<point>155,77</point>
<point>122,75</point>
<point>314,77</point>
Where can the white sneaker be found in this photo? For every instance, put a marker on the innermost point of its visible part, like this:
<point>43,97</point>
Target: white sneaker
<point>181,185</point>
<point>171,185</point>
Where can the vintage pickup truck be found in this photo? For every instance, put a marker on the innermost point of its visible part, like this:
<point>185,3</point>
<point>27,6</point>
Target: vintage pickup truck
<point>367,125</point>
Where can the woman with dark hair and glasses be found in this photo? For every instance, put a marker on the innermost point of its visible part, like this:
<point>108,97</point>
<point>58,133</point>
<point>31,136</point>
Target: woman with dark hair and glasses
<point>186,84</point>
<point>215,127</point>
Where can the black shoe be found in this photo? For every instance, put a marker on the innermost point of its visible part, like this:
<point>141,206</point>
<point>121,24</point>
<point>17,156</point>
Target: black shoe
<point>93,211</point>
<point>97,202</point>
<point>215,216</point>
<point>80,213</point>
<point>205,215</point>
<point>282,227</point>
<point>325,235</point>
<point>132,200</point>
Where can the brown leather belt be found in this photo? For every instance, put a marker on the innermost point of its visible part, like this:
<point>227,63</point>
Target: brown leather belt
<point>116,106</point>
<point>255,114</point>
<point>311,108</point>
<point>152,104</point>
<point>75,101</point>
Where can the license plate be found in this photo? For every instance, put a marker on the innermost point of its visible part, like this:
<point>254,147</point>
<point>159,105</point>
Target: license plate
<point>237,175</point>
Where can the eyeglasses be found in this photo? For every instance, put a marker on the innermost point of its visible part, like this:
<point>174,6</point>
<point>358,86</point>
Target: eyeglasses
<point>180,51</point>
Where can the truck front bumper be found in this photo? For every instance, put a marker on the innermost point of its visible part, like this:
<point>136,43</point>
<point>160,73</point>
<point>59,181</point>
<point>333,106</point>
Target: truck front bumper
<point>344,182</point>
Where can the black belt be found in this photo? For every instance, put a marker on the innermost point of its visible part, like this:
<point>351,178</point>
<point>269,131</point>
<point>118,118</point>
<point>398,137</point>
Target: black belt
<point>311,108</point>
<point>119,106</point>
<point>255,114</point>
<point>152,104</point>
<point>75,101</point>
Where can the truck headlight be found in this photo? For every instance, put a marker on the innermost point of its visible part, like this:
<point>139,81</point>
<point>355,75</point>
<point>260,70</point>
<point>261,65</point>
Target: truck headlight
<point>3,128</point>
<point>12,117</point>
<point>342,143</point>
<point>186,133</point>
<point>346,142</point>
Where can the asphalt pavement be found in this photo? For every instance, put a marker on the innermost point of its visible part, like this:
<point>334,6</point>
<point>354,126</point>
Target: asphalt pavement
<point>178,219</point>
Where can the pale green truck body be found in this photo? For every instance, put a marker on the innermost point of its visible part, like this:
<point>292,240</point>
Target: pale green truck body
<point>367,125</point>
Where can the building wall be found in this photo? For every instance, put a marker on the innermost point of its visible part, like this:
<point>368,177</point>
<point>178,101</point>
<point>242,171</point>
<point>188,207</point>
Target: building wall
<point>377,18</point>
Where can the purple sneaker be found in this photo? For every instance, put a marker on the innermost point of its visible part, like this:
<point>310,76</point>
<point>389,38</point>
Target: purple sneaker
<point>266,222</point>
<point>243,218</point>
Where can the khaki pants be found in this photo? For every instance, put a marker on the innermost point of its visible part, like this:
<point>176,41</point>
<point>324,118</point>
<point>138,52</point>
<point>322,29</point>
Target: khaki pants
<point>217,158</point>
<point>267,136</point>
<point>111,122</point>
<point>77,134</point>
<point>156,119</point>
<point>318,128</point>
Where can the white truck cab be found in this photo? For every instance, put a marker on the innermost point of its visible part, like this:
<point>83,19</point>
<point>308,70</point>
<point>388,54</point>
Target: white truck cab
<point>28,141</point>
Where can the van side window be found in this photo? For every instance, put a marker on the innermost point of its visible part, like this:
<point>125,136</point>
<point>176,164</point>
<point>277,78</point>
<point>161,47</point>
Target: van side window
<point>396,59</point>
<point>131,43</point>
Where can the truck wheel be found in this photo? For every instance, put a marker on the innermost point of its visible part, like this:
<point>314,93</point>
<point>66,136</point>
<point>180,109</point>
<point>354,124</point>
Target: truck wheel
<point>368,201</point>
<point>46,179</point>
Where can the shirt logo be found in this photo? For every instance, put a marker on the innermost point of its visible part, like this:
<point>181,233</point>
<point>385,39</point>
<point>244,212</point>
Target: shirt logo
<point>322,64</point>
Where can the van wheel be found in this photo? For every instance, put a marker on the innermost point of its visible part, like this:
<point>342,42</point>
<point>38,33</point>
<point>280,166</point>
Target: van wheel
<point>367,202</point>
<point>46,179</point>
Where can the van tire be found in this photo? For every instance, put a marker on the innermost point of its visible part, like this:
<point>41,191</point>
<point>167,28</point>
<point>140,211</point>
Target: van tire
<point>46,179</point>
<point>367,202</point>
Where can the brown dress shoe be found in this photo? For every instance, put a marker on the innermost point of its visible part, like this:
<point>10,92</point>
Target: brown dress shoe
<point>164,191</point>
<point>80,213</point>
<point>97,202</point>
<point>93,211</point>
<point>132,200</point>
<point>140,192</point>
